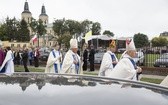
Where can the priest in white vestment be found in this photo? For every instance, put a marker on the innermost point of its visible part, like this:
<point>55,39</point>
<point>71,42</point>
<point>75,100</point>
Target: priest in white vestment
<point>109,60</point>
<point>165,82</point>
<point>126,68</point>
<point>8,62</point>
<point>71,63</point>
<point>54,61</point>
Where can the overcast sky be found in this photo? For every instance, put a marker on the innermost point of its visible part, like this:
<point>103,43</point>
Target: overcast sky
<point>122,17</point>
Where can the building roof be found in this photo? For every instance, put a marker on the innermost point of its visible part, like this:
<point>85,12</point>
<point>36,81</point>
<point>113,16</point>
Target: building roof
<point>43,11</point>
<point>26,8</point>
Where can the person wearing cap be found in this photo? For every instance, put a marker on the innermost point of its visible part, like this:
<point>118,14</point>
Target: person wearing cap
<point>54,61</point>
<point>71,63</point>
<point>109,60</point>
<point>126,67</point>
<point>8,62</point>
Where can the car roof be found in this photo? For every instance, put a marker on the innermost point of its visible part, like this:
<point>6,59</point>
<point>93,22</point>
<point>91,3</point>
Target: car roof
<point>63,89</point>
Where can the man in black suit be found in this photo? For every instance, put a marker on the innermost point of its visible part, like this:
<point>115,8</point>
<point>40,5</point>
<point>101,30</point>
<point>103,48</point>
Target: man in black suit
<point>85,57</point>
<point>25,59</point>
<point>91,58</point>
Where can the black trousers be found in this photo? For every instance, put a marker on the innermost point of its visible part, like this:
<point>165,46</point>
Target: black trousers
<point>25,66</point>
<point>84,65</point>
<point>92,66</point>
<point>36,62</point>
<point>30,62</point>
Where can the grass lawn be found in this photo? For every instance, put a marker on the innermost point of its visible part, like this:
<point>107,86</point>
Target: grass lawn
<point>33,69</point>
<point>151,80</point>
<point>149,59</point>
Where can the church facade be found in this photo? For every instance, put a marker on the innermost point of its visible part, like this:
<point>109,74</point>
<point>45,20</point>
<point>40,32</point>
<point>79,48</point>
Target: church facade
<point>43,40</point>
<point>46,40</point>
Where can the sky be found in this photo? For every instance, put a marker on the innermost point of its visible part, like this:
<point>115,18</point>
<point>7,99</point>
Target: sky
<point>122,17</point>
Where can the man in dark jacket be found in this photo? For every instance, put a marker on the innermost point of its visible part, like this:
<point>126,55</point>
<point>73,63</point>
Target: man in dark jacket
<point>36,57</point>
<point>17,57</point>
<point>91,58</point>
<point>25,59</point>
<point>85,57</point>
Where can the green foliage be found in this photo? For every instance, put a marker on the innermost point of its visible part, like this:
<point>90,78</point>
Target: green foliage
<point>141,40</point>
<point>12,29</point>
<point>41,28</point>
<point>65,29</point>
<point>151,80</point>
<point>60,29</point>
<point>33,25</point>
<point>109,33</point>
<point>96,28</point>
<point>3,32</point>
<point>23,32</point>
<point>73,27</point>
<point>66,40</point>
<point>86,26</point>
<point>159,41</point>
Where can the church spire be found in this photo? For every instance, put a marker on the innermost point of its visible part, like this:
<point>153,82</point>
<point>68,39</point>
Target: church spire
<point>43,16</point>
<point>43,11</point>
<point>26,8</point>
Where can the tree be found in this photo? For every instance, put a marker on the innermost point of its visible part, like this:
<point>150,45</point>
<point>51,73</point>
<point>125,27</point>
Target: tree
<point>159,41</point>
<point>60,29</point>
<point>86,26</point>
<point>8,29</point>
<point>73,27</point>
<point>33,25</point>
<point>3,32</point>
<point>40,28</point>
<point>23,32</point>
<point>109,33</point>
<point>141,40</point>
<point>96,28</point>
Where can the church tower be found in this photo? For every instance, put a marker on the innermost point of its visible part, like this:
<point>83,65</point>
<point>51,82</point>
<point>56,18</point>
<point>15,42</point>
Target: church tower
<point>26,14</point>
<point>43,16</point>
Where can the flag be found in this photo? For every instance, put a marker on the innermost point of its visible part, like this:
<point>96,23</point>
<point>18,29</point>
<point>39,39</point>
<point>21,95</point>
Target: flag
<point>34,38</point>
<point>87,36</point>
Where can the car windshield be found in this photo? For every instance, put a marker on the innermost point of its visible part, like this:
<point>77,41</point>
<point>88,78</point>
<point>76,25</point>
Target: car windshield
<point>164,56</point>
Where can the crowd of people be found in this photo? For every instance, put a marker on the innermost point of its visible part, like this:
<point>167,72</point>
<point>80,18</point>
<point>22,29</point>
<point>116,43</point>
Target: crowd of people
<point>72,63</point>
<point>10,57</point>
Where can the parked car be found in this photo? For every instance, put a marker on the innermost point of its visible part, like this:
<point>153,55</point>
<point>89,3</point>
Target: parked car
<point>67,89</point>
<point>121,50</point>
<point>44,55</point>
<point>139,59</point>
<point>162,61</point>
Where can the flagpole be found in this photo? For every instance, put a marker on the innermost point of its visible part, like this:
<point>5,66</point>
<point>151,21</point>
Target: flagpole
<point>38,40</point>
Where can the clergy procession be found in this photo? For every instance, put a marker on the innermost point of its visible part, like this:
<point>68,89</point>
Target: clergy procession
<point>74,63</point>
